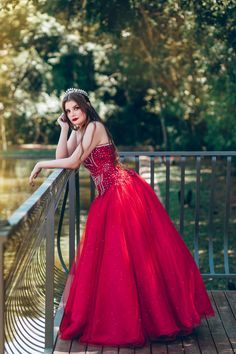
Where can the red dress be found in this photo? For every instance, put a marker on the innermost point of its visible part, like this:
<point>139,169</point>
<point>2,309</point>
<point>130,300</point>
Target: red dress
<point>134,279</point>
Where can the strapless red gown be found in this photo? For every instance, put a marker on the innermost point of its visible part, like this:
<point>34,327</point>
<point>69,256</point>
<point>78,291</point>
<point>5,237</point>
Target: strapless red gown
<point>134,279</point>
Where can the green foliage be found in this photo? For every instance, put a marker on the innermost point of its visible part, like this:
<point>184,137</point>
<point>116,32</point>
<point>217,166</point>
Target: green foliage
<point>159,72</point>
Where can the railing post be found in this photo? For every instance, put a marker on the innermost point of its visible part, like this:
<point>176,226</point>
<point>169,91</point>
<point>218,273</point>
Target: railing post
<point>227,215</point>
<point>211,228</point>
<point>2,300</point>
<point>72,220</point>
<point>167,197</point>
<point>197,210</point>
<point>49,297</point>
<point>3,236</point>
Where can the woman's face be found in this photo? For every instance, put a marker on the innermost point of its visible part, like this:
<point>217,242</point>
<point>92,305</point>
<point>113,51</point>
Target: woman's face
<point>74,113</point>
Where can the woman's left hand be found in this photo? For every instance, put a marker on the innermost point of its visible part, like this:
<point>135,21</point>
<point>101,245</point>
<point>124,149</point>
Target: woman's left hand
<point>34,174</point>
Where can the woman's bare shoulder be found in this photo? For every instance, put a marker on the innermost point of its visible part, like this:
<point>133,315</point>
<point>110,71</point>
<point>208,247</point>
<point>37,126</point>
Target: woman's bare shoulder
<point>97,127</point>
<point>100,132</point>
<point>96,123</point>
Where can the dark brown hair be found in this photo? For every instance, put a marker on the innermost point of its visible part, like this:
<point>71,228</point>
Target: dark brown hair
<point>91,116</point>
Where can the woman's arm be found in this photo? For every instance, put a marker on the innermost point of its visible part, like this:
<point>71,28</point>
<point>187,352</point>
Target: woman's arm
<point>65,147</point>
<point>72,143</point>
<point>61,150</point>
<point>92,137</point>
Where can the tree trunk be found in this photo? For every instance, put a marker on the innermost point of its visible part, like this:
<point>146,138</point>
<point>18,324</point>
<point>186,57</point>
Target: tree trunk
<point>3,133</point>
<point>164,131</point>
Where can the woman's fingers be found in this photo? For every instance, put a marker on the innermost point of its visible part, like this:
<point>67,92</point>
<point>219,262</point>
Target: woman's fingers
<point>31,181</point>
<point>62,121</point>
<point>33,176</point>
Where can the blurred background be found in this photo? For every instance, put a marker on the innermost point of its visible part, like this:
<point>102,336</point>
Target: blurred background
<point>162,75</point>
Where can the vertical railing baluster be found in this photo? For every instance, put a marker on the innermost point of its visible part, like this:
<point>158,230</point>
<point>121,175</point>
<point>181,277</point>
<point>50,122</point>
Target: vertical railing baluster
<point>211,211</point>
<point>49,296</point>
<point>182,185</point>
<point>137,163</point>
<point>227,215</point>
<point>72,201</point>
<point>197,209</point>
<point>152,171</point>
<point>77,206</point>
<point>167,199</point>
<point>92,189</point>
<point>122,158</point>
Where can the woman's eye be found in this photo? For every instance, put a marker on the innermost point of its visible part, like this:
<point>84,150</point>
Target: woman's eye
<point>77,107</point>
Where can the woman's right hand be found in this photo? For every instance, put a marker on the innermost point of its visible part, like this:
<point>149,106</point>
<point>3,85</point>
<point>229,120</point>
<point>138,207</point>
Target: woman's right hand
<point>62,121</point>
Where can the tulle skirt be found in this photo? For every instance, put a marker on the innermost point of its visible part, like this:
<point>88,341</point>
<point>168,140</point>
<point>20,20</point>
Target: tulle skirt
<point>133,280</point>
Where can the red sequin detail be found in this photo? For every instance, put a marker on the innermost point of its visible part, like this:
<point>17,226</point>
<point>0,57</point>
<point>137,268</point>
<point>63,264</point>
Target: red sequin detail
<point>104,171</point>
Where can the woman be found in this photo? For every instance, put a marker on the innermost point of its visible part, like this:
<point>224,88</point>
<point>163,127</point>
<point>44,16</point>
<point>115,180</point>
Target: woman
<point>134,279</point>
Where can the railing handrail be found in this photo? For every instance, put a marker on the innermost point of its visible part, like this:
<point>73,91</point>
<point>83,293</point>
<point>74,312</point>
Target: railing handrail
<point>178,153</point>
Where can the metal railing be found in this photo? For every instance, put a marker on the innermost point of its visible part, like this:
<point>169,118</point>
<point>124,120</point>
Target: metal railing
<point>31,285</point>
<point>27,269</point>
<point>218,177</point>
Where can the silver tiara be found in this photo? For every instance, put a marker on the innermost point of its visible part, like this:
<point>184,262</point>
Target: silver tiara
<point>72,89</point>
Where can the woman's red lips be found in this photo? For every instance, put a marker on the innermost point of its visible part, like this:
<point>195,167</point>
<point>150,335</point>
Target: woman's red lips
<point>74,118</point>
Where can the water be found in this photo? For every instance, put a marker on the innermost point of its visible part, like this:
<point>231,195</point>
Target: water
<point>14,186</point>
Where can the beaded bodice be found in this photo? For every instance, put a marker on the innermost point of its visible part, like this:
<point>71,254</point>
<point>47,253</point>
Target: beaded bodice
<point>103,170</point>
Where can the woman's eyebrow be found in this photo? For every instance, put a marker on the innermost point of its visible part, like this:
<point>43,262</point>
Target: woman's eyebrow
<point>73,107</point>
